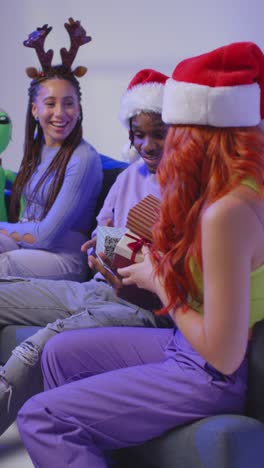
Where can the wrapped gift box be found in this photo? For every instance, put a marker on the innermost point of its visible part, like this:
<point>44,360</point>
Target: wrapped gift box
<point>143,216</point>
<point>107,238</point>
<point>140,222</point>
<point>128,250</point>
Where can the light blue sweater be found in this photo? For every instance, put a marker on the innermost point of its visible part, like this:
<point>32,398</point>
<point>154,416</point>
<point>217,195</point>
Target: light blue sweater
<point>66,225</point>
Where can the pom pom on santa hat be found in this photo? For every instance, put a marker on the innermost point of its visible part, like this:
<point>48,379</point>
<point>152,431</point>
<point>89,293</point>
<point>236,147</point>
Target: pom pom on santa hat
<point>144,94</point>
<point>222,88</point>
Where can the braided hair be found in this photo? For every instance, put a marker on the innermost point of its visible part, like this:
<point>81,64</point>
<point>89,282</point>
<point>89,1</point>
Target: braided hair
<point>34,141</point>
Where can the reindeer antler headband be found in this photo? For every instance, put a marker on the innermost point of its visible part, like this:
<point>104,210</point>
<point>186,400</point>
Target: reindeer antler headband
<point>37,38</point>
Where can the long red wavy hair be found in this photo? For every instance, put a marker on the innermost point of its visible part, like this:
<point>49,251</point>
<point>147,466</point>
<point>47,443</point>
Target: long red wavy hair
<point>200,164</point>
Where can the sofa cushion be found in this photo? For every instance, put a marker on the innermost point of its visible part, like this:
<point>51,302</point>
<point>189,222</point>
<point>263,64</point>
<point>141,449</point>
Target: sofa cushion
<point>225,441</point>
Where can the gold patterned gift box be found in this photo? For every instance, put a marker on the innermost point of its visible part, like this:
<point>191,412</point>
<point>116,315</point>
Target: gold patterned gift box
<point>140,221</point>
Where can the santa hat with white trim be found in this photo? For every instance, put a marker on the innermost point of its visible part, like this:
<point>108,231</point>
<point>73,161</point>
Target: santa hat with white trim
<point>222,88</point>
<point>144,94</point>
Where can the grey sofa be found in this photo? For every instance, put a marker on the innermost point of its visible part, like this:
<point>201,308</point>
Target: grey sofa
<point>226,441</point>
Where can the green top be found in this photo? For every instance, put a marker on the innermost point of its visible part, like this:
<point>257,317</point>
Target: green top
<point>256,280</point>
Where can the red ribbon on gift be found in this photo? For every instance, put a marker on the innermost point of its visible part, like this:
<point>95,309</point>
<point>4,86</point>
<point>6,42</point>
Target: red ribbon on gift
<point>135,246</point>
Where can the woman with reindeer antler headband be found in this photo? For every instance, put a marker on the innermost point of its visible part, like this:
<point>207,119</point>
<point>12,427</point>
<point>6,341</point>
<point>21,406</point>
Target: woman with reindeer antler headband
<point>60,175</point>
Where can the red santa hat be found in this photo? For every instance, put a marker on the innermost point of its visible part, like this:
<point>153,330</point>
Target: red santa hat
<point>221,88</point>
<point>144,94</point>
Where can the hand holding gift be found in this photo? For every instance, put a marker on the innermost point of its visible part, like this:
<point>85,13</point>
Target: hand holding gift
<point>123,246</point>
<point>128,250</point>
<point>141,274</point>
<point>106,241</point>
<point>102,267</point>
<point>140,221</point>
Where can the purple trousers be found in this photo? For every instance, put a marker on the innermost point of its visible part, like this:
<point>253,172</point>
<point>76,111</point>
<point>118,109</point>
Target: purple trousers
<point>108,388</point>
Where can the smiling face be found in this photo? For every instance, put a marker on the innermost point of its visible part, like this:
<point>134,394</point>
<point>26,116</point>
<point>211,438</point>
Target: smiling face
<point>148,133</point>
<point>57,107</point>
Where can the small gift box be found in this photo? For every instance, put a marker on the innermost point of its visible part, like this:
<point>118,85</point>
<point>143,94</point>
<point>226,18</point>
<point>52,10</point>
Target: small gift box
<point>128,250</point>
<point>106,239</point>
<point>143,216</point>
<point>140,222</point>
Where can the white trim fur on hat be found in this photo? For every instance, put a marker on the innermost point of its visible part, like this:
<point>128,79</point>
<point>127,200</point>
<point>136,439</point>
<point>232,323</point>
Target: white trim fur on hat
<point>219,106</point>
<point>141,98</point>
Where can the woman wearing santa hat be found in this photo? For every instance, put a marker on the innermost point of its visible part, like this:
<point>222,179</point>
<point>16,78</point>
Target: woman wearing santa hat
<point>207,266</point>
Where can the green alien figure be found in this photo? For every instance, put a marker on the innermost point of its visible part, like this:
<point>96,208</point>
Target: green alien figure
<point>5,175</point>
<point>5,130</point>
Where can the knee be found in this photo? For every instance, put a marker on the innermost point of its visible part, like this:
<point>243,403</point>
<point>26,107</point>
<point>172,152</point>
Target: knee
<point>27,409</point>
<point>26,414</point>
<point>52,349</point>
<point>52,361</point>
<point>33,416</point>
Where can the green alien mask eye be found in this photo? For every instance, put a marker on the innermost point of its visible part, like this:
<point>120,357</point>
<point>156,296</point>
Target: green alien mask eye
<point>5,130</point>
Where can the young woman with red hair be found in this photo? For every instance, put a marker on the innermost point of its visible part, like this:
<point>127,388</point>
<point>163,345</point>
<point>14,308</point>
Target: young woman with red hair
<point>126,386</point>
